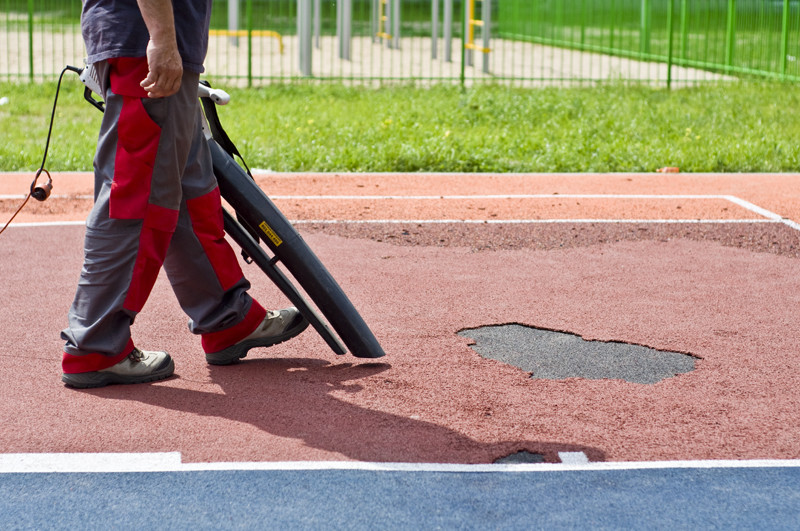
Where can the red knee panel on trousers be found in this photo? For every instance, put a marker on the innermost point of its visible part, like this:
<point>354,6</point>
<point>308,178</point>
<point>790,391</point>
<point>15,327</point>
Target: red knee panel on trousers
<point>157,230</point>
<point>206,215</point>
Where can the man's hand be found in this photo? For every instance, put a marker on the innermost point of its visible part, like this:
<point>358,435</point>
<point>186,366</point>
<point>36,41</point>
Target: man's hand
<point>165,70</point>
<point>163,60</point>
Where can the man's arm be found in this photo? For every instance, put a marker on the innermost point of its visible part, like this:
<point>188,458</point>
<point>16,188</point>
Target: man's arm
<point>163,60</point>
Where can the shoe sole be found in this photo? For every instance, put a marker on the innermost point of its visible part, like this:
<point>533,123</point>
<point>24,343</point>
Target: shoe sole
<point>89,380</point>
<point>236,352</point>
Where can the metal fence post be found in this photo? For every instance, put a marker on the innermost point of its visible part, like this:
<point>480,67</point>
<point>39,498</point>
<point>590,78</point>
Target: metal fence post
<point>30,39</point>
<point>233,21</point>
<point>644,42</point>
<point>317,22</point>
<point>344,16</point>
<point>448,31</point>
<point>388,20</point>
<point>348,26</point>
<point>670,9</point>
<point>248,13</point>
<point>486,15</point>
<point>583,23</point>
<point>613,28</point>
<point>784,38</point>
<point>304,35</point>
<point>434,28</point>
<point>463,42</point>
<point>396,24</point>
<point>684,29</point>
<point>469,5</point>
<point>375,20</point>
<point>731,34</point>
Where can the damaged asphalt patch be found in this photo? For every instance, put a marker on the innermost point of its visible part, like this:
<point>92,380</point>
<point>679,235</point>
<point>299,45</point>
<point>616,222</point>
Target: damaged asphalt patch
<point>551,355</point>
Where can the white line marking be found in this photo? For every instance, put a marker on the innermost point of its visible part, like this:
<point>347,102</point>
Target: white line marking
<point>434,197</point>
<point>171,462</point>
<point>436,174</point>
<point>90,462</point>
<point>525,221</point>
<point>47,224</point>
<point>733,199</point>
<point>767,216</point>
<point>501,196</point>
<point>457,197</point>
<point>763,212</point>
<point>753,208</point>
<point>463,221</point>
<point>747,205</point>
<point>54,196</point>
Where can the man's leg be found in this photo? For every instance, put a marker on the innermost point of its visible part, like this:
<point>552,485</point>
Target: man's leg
<point>157,200</point>
<point>127,233</point>
<point>205,274</point>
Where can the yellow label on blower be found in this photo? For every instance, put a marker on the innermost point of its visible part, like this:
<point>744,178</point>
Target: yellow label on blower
<point>270,233</point>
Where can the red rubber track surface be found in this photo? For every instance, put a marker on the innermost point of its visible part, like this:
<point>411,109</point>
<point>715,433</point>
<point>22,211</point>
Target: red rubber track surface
<point>727,294</point>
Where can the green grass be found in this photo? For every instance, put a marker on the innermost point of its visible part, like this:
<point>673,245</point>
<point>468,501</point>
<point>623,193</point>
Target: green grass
<point>722,128</point>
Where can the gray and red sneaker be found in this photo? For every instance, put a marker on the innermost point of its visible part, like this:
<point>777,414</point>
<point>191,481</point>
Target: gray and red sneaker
<point>139,366</point>
<point>277,327</point>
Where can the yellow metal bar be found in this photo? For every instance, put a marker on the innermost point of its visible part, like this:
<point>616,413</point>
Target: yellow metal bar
<point>470,20</point>
<point>471,23</point>
<point>477,48</point>
<point>382,18</point>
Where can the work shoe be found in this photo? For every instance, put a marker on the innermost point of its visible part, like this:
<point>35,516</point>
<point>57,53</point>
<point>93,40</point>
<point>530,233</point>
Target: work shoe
<point>277,327</point>
<point>139,366</point>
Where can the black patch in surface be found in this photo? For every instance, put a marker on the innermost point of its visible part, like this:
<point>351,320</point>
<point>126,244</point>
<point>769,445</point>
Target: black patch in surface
<point>551,355</point>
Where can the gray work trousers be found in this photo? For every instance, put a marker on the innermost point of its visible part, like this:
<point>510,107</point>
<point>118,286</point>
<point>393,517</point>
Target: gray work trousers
<point>156,204</point>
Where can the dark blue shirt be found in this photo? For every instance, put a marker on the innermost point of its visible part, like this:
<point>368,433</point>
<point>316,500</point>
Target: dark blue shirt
<point>115,28</point>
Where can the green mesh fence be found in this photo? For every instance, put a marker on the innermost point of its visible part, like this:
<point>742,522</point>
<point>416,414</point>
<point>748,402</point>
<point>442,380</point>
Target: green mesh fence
<point>523,42</point>
<point>740,37</point>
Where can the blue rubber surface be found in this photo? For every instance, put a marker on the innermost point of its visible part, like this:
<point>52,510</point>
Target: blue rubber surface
<point>767,498</point>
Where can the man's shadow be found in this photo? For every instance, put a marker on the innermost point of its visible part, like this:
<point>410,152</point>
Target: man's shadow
<point>294,398</point>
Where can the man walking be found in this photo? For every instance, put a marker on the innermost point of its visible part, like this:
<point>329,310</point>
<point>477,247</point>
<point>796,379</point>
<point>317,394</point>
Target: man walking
<point>157,203</point>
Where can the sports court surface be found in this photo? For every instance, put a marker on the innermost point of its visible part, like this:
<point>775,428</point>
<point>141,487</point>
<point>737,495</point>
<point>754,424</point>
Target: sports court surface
<point>432,435</point>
